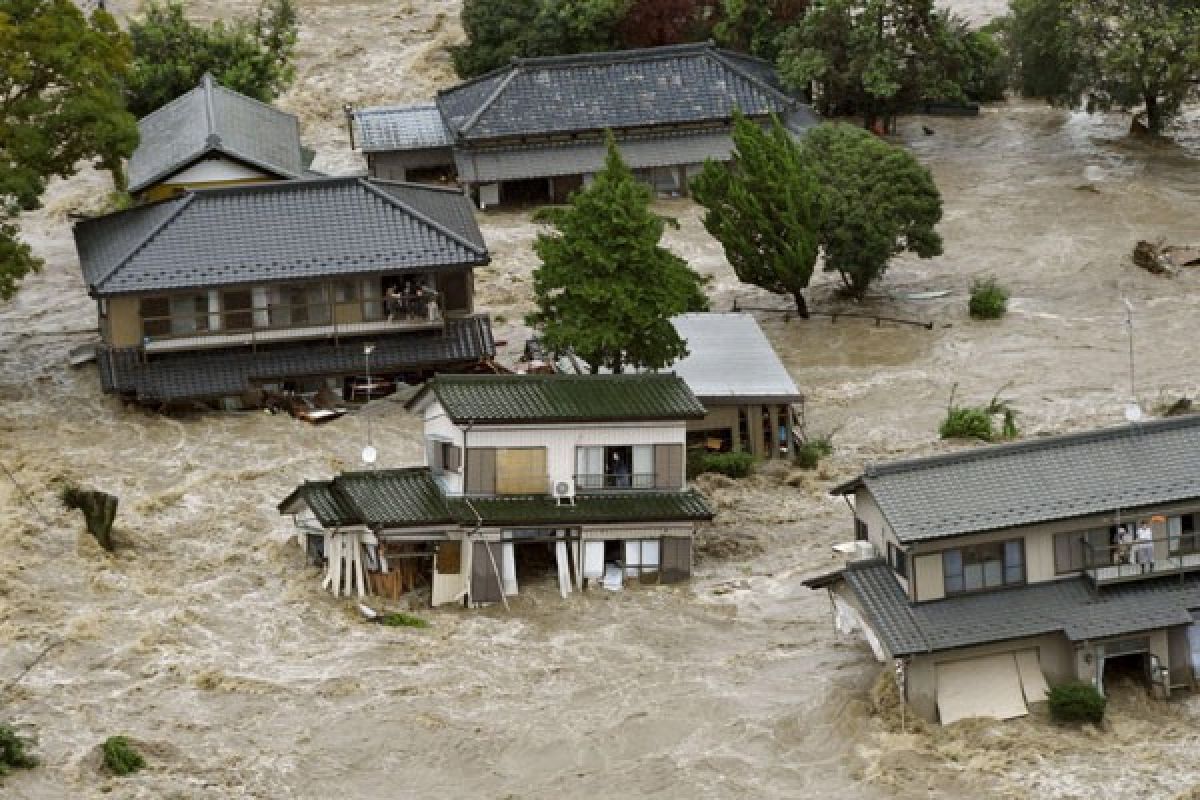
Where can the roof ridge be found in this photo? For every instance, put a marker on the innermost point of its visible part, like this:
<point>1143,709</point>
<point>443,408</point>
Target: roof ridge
<point>210,114</point>
<point>295,119</point>
<point>421,186</point>
<point>1034,445</point>
<point>616,56</point>
<point>176,101</point>
<point>423,217</point>
<point>491,99</point>
<point>424,106</point>
<point>719,56</point>
<point>185,201</point>
<point>273,186</point>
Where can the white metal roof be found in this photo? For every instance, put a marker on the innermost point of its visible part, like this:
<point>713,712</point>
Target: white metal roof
<point>729,356</point>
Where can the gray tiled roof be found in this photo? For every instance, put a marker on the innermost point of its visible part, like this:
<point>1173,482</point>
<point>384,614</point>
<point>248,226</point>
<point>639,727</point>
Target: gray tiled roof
<point>208,119</point>
<point>262,233</point>
<point>416,127</point>
<point>1069,607</point>
<point>499,399</point>
<point>597,91</point>
<point>222,373</point>
<point>1058,477</point>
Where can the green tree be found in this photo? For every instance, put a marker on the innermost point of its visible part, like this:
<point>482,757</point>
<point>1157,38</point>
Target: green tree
<point>606,288</point>
<point>60,103</point>
<point>755,26</point>
<point>764,208</point>
<point>878,202</point>
<point>171,53</point>
<point>1102,54</point>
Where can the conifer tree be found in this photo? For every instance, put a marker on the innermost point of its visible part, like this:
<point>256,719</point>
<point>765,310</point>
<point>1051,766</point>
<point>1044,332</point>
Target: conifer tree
<point>765,209</point>
<point>606,289</point>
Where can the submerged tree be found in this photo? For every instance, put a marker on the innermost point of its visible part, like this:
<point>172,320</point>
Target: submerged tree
<point>653,23</point>
<point>606,288</point>
<point>99,509</point>
<point>60,103</point>
<point>877,201</point>
<point>765,209</point>
<point>171,53</point>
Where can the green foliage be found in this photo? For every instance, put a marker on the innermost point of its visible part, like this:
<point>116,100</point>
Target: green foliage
<point>401,620</point>
<point>171,54</point>
<point>877,201</point>
<point>764,208</point>
<point>120,757</point>
<point>989,300</point>
<point>14,752</point>
<point>977,422</point>
<point>1101,54</point>
<point>809,454</point>
<point>975,60</point>
<point>733,465</point>
<point>60,104</point>
<point>1076,702</point>
<point>606,288</point>
<point>755,26</point>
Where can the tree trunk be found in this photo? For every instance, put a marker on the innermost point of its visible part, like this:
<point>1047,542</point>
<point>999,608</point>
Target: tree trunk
<point>1153,115</point>
<point>801,305</point>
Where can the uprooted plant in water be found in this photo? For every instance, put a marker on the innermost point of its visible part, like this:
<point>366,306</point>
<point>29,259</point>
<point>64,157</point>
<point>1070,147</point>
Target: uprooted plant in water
<point>978,422</point>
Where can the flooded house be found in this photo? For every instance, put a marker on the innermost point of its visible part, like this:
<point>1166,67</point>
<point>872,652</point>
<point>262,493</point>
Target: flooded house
<point>330,287</point>
<point>990,574</point>
<point>577,476</point>
<point>533,131</point>
<point>213,136</point>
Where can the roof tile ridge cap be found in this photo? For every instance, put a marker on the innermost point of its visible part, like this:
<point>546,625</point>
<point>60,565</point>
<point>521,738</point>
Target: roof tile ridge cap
<point>491,73</point>
<point>421,216</point>
<point>187,200</point>
<point>223,147</point>
<point>425,187</point>
<point>210,112</point>
<point>427,105</point>
<point>790,102</point>
<point>486,104</point>
<point>616,56</point>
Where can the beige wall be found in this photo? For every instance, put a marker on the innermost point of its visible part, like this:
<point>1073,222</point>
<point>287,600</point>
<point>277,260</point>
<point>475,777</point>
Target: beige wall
<point>124,322</point>
<point>927,581</point>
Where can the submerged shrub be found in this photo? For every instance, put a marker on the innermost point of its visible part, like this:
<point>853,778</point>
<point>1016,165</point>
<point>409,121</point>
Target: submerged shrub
<point>733,465</point>
<point>120,757</point>
<point>809,454</point>
<point>967,422</point>
<point>1076,702</point>
<point>989,300</point>
<point>13,752</point>
<point>401,620</point>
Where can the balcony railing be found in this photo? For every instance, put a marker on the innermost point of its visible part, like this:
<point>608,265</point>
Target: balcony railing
<point>618,483</point>
<point>277,322</point>
<point>1145,558</point>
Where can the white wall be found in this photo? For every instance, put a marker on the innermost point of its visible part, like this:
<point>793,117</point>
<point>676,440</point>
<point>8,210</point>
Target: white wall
<point>438,427</point>
<point>211,170</point>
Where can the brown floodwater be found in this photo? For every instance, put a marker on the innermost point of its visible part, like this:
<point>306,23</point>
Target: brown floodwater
<point>206,640</point>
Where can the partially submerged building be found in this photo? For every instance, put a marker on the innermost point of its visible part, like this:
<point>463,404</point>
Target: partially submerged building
<point>747,392</point>
<point>579,474</point>
<point>1008,568</point>
<point>533,131</point>
<point>278,287</point>
<point>213,136</point>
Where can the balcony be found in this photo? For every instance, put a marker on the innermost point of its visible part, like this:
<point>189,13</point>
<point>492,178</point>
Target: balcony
<point>1152,558</point>
<point>598,483</point>
<point>276,322</point>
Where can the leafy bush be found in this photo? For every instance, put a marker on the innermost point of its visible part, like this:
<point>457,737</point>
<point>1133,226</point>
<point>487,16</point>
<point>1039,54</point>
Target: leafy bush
<point>733,465</point>
<point>120,757</point>
<point>13,754</point>
<point>809,454</point>
<point>1076,702</point>
<point>989,300</point>
<point>967,422</point>
<point>402,620</point>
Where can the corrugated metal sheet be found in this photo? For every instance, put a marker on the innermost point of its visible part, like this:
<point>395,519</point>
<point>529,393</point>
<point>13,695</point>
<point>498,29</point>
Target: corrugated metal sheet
<point>729,357</point>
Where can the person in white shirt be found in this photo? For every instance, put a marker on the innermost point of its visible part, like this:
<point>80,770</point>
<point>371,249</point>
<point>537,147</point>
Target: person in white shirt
<point>1144,549</point>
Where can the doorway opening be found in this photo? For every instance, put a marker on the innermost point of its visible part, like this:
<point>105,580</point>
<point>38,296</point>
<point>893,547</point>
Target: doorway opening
<point>1130,670</point>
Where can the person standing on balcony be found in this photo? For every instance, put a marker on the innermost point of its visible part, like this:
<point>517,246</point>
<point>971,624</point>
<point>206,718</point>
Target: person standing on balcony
<point>1144,549</point>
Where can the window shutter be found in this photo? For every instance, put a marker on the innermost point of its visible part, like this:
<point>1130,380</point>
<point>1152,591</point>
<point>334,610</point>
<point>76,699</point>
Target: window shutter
<point>676,559</point>
<point>481,470</point>
<point>668,466</point>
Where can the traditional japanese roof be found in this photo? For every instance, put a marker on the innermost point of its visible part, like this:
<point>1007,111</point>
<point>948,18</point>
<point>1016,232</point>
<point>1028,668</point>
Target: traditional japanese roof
<point>1069,607</point>
<point>674,85</point>
<point>208,374</point>
<point>212,119</point>
<point>417,127</point>
<point>1052,478</point>
<point>688,505</point>
<point>268,232</point>
<point>730,360</point>
<point>549,399</point>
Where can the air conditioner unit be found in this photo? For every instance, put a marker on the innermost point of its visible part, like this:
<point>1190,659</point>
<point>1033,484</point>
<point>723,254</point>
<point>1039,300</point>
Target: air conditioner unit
<point>563,490</point>
<point>863,551</point>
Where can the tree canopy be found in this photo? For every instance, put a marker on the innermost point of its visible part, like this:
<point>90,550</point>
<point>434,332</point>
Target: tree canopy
<point>606,288</point>
<point>1101,54</point>
<point>171,53</point>
<point>755,26</point>
<point>877,202</point>
<point>764,208</point>
<point>60,103</point>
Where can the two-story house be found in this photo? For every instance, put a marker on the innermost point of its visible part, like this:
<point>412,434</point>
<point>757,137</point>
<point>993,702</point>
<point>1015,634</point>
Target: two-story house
<point>1004,569</point>
<point>584,474</point>
<point>213,293</point>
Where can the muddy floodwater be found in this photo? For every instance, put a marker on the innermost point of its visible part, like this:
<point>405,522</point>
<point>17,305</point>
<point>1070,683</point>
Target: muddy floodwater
<point>207,641</point>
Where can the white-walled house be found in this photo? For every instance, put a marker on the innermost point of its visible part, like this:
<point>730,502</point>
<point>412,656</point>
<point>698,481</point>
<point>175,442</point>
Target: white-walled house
<point>580,473</point>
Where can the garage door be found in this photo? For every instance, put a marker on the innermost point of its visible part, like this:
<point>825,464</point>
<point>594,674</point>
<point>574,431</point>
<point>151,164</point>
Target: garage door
<point>989,686</point>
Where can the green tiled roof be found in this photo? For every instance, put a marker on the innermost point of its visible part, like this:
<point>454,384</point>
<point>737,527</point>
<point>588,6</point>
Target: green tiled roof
<point>563,398</point>
<point>588,509</point>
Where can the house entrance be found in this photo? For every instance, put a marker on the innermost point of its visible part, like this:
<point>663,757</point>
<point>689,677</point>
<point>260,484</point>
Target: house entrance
<point>1130,669</point>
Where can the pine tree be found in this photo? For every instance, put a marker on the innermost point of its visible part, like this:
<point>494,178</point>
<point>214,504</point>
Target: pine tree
<point>606,289</point>
<point>764,208</point>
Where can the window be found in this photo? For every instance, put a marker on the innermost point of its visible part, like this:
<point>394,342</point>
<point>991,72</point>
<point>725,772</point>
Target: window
<point>451,457</point>
<point>1078,550</point>
<point>898,559</point>
<point>1182,536</point>
<point>642,466</point>
<point>156,316</point>
<point>861,532</point>
<point>236,305</point>
<point>641,557</point>
<point>983,566</point>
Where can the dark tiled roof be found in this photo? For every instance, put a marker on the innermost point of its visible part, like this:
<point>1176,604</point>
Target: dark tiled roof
<point>389,498</point>
<point>1069,606</point>
<point>501,399</point>
<point>386,128</point>
<point>261,233</point>
<point>627,89</point>
<point>1058,477</point>
<point>213,119</point>
<point>688,505</point>
<point>222,373</point>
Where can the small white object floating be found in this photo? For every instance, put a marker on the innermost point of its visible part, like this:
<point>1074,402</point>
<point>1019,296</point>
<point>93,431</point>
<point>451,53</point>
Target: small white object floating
<point>83,354</point>
<point>368,612</point>
<point>612,577</point>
